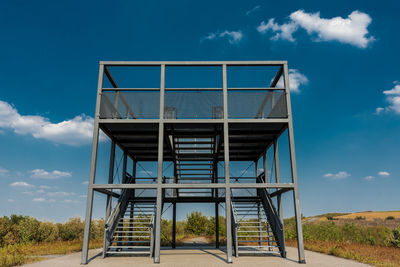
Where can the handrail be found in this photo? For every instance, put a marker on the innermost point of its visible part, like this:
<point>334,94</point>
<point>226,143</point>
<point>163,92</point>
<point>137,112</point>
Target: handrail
<point>152,229</point>
<point>273,219</point>
<point>110,225</point>
<point>234,227</point>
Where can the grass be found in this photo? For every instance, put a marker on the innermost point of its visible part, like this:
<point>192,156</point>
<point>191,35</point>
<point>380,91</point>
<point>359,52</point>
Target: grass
<point>368,215</point>
<point>374,255</point>
<point>14,255</point>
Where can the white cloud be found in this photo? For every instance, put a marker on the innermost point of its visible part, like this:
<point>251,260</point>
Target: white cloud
<point>4,172</point>
<point>351,30</point>
<point>75,132</point>
<point>10,200</point>
<point>284,31</point>
<point>82,196</point>
<point>27,193</point>
<point>233,37</point>
<point>21,185</point>
<point>296,79</point>
<point>379,110</point>
<point>60,194</point>
<point>41,191</point>
<point>393,98</point>
<point>337,176</point>
<point>369,177</point>
<point>39,199</point>
<point>253,10</point>
<point>42,174</point>
<point>384,173</point>
<point>85,182</point>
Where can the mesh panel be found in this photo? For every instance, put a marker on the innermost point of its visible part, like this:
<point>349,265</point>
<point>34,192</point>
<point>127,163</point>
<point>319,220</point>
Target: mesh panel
<point>256,104</point>
<point>194,104</point>
<point>130,105</point>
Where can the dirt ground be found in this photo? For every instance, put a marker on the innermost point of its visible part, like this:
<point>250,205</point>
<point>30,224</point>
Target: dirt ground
<point>199,257</point>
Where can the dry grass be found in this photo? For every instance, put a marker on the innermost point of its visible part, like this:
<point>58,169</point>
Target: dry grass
<point>368,215</point>
<point>15,255</point>
<point>374,255</point>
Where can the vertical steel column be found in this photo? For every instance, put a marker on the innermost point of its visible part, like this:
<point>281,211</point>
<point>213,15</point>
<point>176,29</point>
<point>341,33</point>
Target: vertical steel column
<point>110,179</point>
<point>260,234</point>
<point>132,202</point>
<point>227,175</point>
<point>160,168</point>
<point>174,225</point>
<point>92,175</point>
<point>278,178</point>
<point>124,181</point>
<point>265,166</point>
<point>296,198</point>
<point>216,206</point>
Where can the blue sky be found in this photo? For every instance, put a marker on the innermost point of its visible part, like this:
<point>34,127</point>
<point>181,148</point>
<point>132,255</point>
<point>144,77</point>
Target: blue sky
<point>344,76</point>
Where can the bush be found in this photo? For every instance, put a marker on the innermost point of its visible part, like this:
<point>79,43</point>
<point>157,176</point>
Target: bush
<point>393,240</point>
<point>360,218</point>
<point>196,223</point>
<point>349,232</point>
<point>71,230</point>
<point>389,218</point>
<point>29,230</point>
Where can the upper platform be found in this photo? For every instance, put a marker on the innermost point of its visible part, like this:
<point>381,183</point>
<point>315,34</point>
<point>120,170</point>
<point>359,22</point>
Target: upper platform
<point>193,90</point>
<point>193,99</point>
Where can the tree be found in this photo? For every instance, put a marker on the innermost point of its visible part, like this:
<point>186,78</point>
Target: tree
<point>196,223</point>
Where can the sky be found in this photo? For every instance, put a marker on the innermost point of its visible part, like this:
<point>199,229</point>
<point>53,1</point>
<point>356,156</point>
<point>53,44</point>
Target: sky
<point>344,76</point>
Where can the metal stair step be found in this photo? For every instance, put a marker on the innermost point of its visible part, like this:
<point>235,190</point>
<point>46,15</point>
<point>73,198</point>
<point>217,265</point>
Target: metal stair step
<point>126,241</point>
<point>258,246</point>
<point>131,241</point>
<point>247,236</point>
<point>256,241</point>
<point>129,247</point>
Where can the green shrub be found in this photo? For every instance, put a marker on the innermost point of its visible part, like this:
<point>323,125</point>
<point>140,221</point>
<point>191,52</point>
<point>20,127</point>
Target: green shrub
<point>71,230</point>
<point>389,218</point>
<point>196,223</point>
<point>393,239</point>
<point>29,230</point>
<point>349,232</point>
<point>360,218</point>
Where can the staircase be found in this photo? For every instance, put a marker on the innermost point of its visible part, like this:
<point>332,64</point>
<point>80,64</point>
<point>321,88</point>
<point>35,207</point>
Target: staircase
<point>253,232</point>
<point>133,230</point>
<point>194,161</point>
<point>257,228</point>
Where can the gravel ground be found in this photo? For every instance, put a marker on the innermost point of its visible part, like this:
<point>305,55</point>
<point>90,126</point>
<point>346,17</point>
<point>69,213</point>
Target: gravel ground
<point>199,257</point>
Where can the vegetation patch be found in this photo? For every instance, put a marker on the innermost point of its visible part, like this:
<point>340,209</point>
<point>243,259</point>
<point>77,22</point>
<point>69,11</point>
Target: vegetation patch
<point>24,239</point>
<point>377,245</point>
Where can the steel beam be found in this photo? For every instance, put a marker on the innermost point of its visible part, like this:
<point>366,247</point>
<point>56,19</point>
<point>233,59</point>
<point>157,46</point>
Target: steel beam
<point>226,165</point>
<point>300,244</point>
<point>194,63</point>
<point>197,185</point>
<point>174,225</point>
<point>92,175</point>
<point>108,193</point>
<point>160,169</point>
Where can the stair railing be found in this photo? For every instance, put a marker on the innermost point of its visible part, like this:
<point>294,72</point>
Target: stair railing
<point>272,217</point>
<point>152,229</point>
<point>234,228</point>
<point>112,221</point>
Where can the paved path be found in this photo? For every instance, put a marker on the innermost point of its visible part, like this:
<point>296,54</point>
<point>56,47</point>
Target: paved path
<point>199,257</point>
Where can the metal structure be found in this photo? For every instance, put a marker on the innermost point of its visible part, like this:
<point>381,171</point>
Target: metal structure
<point>196,130</point>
